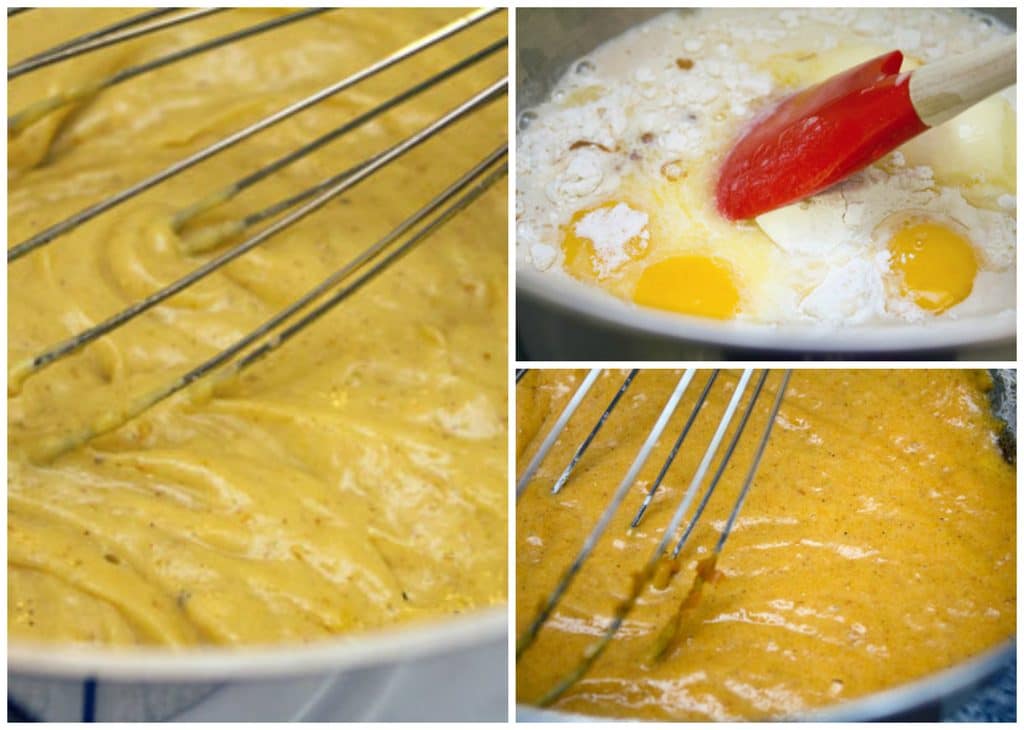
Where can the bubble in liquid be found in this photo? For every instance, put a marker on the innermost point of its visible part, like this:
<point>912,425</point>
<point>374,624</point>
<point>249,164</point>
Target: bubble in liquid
<point>673,170</point>
<point>525,120</point>
<point>585,67</point>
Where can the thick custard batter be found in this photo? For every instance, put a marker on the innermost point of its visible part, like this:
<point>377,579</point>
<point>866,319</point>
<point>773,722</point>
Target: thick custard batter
<point>877,544</point>
<point>353,479</point>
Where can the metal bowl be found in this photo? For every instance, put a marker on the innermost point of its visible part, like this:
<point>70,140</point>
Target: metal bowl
<point>560,318</point>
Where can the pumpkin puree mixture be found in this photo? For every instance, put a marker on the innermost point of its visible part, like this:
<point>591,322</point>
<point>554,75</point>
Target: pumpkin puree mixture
<point>877,544</point>
<point>354,479</point>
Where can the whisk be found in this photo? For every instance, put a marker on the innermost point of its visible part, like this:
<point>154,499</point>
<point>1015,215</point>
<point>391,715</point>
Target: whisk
<point>654,570</point>
<point>332,290</point>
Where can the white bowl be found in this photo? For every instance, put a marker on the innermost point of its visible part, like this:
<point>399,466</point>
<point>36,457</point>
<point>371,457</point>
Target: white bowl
<point>450,670</point>
<point>558,318</point>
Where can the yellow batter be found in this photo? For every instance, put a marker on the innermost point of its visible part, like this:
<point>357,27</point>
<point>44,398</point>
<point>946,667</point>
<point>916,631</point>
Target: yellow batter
<point>876,546</point>
<point>353,479</point>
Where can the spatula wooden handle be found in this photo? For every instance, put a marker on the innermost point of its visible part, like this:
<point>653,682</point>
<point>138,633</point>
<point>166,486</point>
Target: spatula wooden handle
<point>941,90</point>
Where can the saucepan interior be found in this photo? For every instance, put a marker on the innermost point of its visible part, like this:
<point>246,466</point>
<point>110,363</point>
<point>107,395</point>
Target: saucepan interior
<point>927,697</point>
<point>558,315</point>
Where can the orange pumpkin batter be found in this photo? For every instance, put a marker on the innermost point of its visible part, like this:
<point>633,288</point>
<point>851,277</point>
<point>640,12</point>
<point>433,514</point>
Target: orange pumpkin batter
<point>877,545</point>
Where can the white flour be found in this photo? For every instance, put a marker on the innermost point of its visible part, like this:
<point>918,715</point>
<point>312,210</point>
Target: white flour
<point>611,230</point>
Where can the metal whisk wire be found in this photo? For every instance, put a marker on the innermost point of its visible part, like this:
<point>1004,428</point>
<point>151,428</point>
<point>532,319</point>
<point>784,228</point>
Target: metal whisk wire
<point>683,433</point>
<point>86,214</point>
<point>468,188</point>
<point>647,574</point>
<point>115,33</point>
<point>40,109</point>
<point>85,38</point>
<point>223,195</point>
<point>582,449</point>
<point>338,286</point>
<point>557,429</point>
<point>26,368</point>
<point>590,542</point>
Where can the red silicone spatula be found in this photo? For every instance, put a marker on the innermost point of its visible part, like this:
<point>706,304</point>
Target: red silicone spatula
<point>823,134</point>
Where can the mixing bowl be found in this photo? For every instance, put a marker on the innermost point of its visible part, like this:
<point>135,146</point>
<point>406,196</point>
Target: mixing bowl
<point>404,673</point>
<point>559,318</point>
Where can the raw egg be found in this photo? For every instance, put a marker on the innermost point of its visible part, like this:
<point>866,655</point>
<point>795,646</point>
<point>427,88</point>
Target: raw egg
<point>689,284</point>
<point>600,241</point>
<point>935,265</point>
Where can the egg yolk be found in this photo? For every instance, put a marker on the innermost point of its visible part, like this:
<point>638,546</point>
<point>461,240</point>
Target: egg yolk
<point>599,241</point>
<point>936,265</point>
<point>691,285</point>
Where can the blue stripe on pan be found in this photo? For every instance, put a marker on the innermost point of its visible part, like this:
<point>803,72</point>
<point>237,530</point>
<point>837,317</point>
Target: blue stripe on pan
<point>89,701</point>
